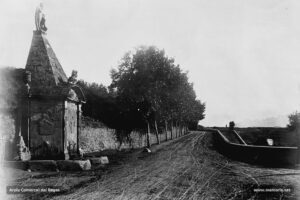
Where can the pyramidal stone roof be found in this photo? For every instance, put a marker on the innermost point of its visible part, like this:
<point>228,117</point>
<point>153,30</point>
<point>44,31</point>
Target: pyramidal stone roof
<point>47,75</point>
<point>43,64</point>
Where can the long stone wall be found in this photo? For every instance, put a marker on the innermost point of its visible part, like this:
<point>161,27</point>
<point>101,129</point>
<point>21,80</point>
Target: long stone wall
<point>96,137</point>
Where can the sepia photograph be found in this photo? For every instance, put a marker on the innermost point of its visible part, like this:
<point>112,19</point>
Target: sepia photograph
<point>149,99</point>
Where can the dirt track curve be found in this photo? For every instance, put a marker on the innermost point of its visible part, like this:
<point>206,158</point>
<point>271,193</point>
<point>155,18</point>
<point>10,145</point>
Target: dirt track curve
<point>185,168</point>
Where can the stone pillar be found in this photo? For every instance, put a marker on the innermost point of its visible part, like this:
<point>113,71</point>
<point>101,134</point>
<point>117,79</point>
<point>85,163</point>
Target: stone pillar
<point>79,115</point>
<point>28,122</point>
<point>65,137</point>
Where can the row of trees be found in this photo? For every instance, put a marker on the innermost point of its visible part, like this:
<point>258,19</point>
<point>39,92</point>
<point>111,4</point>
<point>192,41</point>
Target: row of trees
<point>148,90</point>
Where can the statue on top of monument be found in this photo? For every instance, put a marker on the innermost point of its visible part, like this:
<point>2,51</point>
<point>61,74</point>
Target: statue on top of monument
<point>40,19</point>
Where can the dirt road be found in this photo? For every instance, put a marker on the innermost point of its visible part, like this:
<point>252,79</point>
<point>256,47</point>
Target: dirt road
<point>185,168</point>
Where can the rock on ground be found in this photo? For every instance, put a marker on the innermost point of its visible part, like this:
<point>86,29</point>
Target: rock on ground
<point>73,165</point>
<point>100,160</point>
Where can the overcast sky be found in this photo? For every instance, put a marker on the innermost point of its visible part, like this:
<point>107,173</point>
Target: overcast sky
<point>242,56</point>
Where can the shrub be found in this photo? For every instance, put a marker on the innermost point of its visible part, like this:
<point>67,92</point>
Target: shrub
<point>294,120</point>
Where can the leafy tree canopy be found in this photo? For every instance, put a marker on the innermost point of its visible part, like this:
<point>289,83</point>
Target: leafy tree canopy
<point>294,120</point>
<point>155,86</point>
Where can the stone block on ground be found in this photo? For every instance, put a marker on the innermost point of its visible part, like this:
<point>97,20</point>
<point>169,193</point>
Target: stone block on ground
<point>74,165</point>
<point>42,165</point>
<point>147,150</point>
<point>16,164</point>
<point>99,160</point>
<point>23,151</point>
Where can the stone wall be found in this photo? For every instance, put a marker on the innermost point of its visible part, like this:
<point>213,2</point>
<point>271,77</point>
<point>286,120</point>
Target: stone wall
<point>7,136</point>
<point>46,128</point>
<point>95,137</point>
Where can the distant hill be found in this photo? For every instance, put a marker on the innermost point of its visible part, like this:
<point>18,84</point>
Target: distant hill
<point>278,121</point>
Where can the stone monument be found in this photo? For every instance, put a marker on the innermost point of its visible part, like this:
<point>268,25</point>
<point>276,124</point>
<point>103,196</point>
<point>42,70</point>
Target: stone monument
<point>51,113</point>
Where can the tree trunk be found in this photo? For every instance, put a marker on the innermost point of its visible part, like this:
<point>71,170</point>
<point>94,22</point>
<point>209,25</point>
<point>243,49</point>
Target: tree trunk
<point>166,126</point>
<point>176,129</point>
<point>160,137</point>
<point>181,131</point>
<point>156,132</point>
<point>298,134</point>
<point>171,130</point>
<point>148,135</point>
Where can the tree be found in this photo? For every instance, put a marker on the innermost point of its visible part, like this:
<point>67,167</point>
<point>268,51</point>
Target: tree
<point>103,105</point>
<point>100,105</point>
<point>139,81</point>
<point>151,84</point>
<point>294,120</point>
<point>294,124</point>
<point>231,125</point>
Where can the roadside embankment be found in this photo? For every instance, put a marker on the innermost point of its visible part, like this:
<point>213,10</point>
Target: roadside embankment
<point>265,155</point>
